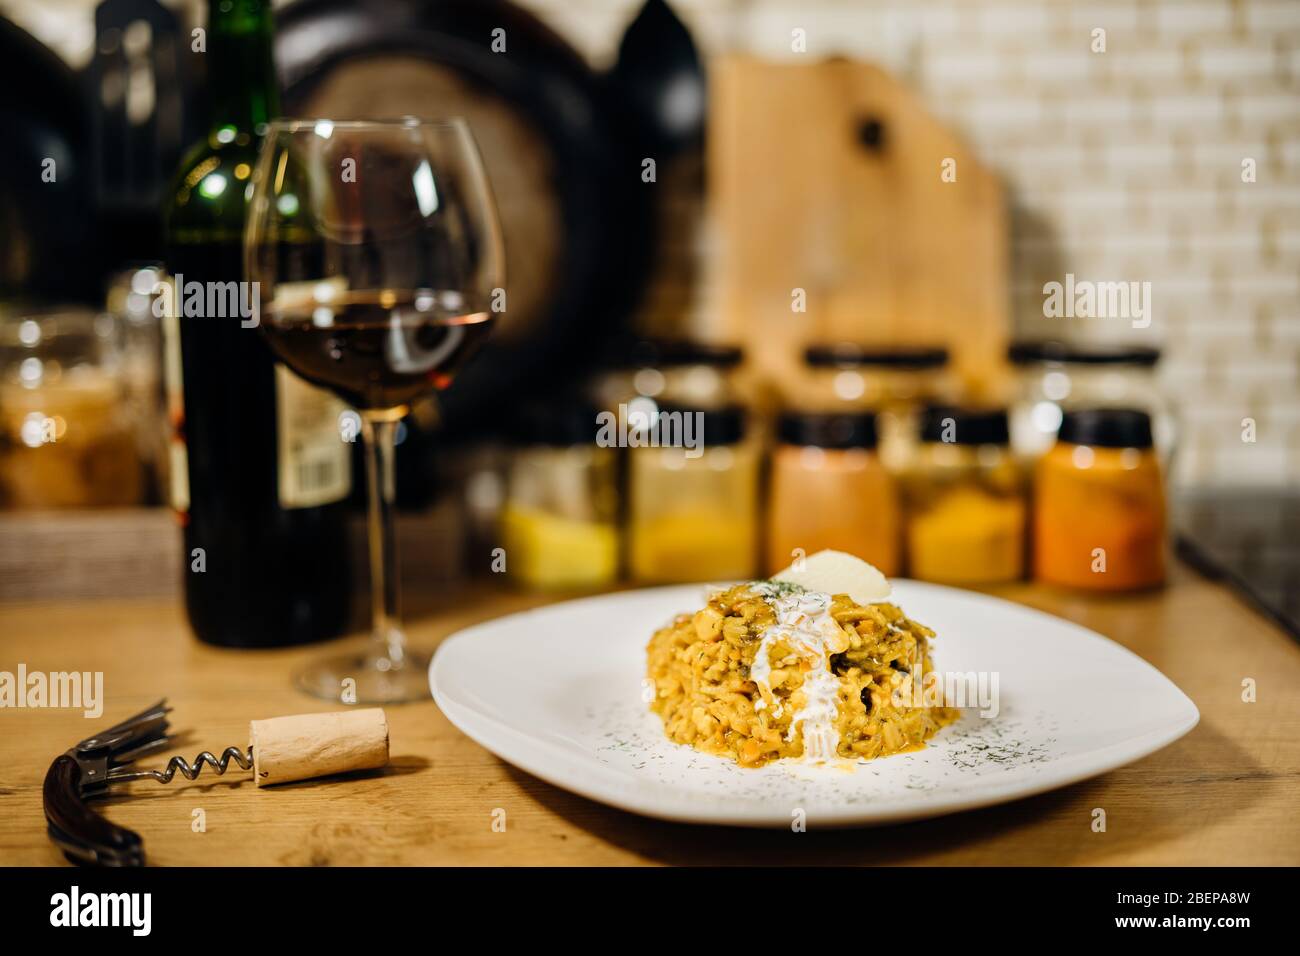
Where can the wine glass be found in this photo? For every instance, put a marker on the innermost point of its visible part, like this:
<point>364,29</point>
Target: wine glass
<point>379,261</point>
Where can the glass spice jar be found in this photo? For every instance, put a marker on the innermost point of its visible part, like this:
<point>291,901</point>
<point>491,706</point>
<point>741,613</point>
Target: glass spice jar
<point>693,511</point>
<point>66,435</point>
<point>1055,377</point>
<point>1099,504</point>
<point>559,524</point>
<point>829,489</point>
<point>965,500</point>
<point>896,382</point>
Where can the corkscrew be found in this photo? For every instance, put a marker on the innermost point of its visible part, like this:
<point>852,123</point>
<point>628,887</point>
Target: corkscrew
<point>282,750</point>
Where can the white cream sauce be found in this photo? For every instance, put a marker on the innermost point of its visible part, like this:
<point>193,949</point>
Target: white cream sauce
<point>804,624</point>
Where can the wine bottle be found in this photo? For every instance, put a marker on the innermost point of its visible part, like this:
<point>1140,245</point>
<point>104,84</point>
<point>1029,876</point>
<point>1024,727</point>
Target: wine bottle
<point>260,470</point>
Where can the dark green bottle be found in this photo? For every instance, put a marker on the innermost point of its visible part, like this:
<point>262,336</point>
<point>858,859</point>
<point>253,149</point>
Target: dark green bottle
<point>260,472</point>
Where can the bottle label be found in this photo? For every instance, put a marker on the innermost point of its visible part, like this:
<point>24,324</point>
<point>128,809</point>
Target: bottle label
<point>315,467</point>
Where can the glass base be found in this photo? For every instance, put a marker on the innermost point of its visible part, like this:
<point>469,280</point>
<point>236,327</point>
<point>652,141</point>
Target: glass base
<point>367,678</point>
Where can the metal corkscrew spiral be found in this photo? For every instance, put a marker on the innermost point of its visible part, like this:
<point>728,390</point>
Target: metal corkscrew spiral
<point>190,771</point>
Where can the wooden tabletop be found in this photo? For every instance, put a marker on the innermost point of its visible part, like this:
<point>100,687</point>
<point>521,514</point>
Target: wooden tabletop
<point>1224,794</point>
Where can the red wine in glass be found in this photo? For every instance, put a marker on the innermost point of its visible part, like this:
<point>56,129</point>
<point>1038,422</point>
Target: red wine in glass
<point>377,349</point>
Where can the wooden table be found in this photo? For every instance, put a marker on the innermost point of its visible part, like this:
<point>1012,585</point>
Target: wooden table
<point>1224,794</point>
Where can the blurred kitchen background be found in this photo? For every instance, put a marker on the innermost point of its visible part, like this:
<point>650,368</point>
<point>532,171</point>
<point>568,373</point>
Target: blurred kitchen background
<point>801,245</point>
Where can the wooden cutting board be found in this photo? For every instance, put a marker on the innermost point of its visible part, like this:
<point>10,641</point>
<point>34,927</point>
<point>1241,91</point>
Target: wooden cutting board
<point>885,249</point>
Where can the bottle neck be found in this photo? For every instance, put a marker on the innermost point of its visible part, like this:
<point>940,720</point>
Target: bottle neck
<point>244,89</point>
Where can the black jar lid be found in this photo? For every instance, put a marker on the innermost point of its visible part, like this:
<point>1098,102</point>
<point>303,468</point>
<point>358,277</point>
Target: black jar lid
<point>1062,353</point>
<point>850,355</point>
<point>720,426</point>
<point>828,429</point>
<point>970,426</point>
<point>1106,427</point>
<point>676,353</point>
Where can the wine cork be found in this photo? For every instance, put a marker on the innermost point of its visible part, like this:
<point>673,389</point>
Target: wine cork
<point>314,745</point>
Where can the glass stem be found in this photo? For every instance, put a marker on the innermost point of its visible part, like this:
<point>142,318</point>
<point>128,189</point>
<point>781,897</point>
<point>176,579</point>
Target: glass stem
<point>378,433</point>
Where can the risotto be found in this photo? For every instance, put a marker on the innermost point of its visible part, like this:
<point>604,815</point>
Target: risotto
<point>768,670</point>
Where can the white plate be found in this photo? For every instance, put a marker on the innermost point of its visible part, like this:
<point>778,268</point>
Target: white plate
<point>558,692</point>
